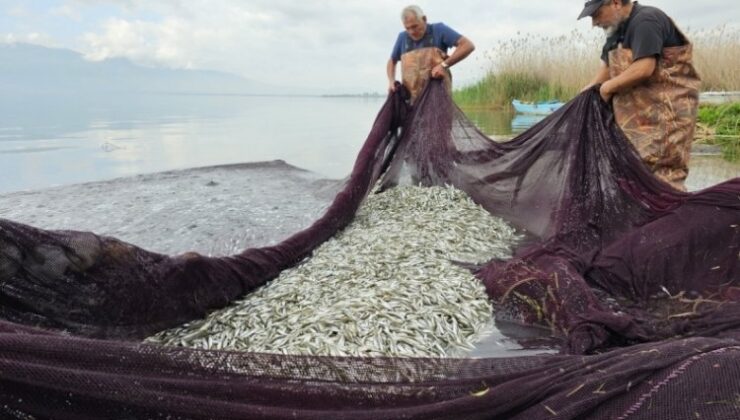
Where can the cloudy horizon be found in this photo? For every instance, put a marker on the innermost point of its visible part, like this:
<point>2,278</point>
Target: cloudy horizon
<point>312,44</point>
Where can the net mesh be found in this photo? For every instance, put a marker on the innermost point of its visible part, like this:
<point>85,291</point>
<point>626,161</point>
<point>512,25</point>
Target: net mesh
<point>639,280</point>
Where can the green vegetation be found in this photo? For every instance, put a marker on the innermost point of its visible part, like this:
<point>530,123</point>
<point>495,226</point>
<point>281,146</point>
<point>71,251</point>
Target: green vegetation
<point>532,68</point>
<point>720,125</point>
<point>498,90</point>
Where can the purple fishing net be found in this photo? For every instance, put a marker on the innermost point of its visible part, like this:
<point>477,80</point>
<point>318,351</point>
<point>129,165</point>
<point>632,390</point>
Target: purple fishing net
<point>639,280</point>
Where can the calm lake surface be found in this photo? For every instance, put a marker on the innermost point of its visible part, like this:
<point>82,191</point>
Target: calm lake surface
<point>56,141</point>
<point>51,141</point>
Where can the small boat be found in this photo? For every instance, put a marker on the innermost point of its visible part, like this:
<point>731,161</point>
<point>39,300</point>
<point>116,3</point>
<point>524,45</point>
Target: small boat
<point>537,108</point>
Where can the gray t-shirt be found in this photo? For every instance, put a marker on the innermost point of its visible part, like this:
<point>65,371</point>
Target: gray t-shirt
<point>647,31</point>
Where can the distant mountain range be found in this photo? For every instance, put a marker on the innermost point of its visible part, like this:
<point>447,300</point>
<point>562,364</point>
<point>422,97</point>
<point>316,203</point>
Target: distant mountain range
<point>31,69</point>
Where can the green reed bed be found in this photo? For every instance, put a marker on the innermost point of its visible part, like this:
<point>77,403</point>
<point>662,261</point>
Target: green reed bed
<point>535,67</point>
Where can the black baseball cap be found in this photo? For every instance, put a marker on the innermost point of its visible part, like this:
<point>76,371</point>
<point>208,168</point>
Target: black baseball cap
<point>590,8</point>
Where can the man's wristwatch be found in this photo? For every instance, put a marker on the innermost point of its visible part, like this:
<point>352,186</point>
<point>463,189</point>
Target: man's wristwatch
<point>444,65</point>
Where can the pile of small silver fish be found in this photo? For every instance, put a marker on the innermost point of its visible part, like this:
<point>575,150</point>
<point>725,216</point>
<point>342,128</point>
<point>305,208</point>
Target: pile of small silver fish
<point>387,285</point>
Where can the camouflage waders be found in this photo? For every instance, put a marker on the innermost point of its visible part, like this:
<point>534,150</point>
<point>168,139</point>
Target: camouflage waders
<point>659,115</point>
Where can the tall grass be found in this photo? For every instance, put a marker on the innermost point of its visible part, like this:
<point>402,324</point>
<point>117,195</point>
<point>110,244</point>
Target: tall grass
<point>717,58</point>
<point>536,67</point>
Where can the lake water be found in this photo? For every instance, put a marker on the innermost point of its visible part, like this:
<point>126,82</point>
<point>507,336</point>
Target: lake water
<point>51,141</point>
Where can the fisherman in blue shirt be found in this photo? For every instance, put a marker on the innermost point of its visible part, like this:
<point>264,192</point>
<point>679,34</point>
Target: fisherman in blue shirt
<point>422,51</point>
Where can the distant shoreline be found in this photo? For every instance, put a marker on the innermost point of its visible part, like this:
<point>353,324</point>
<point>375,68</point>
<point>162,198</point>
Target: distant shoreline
<point>277,95</point>
<point>355,95</point>
<point>213,94</point>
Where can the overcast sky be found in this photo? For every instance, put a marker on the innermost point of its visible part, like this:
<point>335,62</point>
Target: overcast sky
<point>312,43</point>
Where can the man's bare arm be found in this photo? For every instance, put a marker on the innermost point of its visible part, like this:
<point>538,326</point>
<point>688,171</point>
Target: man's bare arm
<point>463,48</point>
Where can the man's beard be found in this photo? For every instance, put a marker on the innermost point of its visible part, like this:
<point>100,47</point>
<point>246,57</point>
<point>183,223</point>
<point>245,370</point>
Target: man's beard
<point>614,27</point>
<point>610,30</point>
